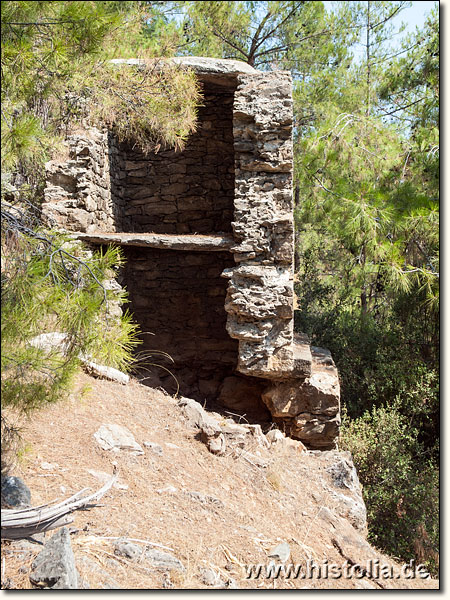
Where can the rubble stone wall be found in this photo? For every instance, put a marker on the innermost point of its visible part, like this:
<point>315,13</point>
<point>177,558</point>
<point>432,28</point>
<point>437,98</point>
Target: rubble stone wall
<point>185,192</point>
<point>260,293</point>
<point>178,296</point>
<point>78,192</point>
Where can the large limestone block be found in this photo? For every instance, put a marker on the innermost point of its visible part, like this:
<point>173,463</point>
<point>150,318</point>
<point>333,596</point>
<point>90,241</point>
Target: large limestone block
<point>318,394</point>
<point>309,407</point>
<point>316,431</point>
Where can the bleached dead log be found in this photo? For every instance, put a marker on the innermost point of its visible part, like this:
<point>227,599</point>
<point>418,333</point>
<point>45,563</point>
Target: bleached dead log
<point>22,523</point>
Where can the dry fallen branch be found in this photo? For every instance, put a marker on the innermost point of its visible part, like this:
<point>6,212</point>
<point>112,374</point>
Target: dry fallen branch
<point>22,523</point>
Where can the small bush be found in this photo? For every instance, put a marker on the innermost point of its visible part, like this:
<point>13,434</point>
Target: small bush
<point>400,483</point>
<point>50,284</point>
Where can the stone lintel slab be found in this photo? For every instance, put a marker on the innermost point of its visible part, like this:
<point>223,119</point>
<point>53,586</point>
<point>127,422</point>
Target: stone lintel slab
<point>199,243</point>
<point>219,71</point>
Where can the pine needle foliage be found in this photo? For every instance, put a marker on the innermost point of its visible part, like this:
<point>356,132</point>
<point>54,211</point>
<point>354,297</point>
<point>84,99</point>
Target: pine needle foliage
<point>50,285</point>
<point>56,71</point>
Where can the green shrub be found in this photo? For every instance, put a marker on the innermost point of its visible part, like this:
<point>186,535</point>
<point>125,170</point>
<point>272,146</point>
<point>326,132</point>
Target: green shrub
<point>400,483</point>
<point>48,285</point>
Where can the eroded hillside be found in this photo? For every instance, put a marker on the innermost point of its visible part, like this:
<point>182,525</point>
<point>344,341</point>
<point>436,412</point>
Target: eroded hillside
<point>214,515</point>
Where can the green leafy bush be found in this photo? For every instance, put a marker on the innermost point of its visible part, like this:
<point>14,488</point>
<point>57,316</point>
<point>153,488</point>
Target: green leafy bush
<point>400,483</point>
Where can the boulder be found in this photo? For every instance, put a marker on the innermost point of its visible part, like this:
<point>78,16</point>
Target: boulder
<point>309,408</point>
<point>116,437</point>
<point>15,494</point>
<point>54,567</point>
<point>210,429</point>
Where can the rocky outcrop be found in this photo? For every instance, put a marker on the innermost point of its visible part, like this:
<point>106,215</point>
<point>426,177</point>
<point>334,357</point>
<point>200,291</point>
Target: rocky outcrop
<point>308,409</point>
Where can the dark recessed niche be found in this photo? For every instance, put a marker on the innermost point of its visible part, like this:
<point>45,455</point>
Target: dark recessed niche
<point>177,298</point>
<point>181,192</point>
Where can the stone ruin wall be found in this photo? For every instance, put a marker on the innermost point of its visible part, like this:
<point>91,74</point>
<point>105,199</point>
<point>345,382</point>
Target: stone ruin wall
<point>260,293</point>
<point>179,297</point>
<point>189,192</point>
<point>226,317</point>
<point>78,195</point>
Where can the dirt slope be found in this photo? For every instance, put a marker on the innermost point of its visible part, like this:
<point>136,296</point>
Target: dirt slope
<point>222,512</point>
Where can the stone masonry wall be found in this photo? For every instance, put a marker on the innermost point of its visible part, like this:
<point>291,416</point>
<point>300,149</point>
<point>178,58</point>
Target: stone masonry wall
<point>179,296</point>
<point>225,317</point>
<point>184,192</point>
<point>78,192</point>
<point>260,293</point>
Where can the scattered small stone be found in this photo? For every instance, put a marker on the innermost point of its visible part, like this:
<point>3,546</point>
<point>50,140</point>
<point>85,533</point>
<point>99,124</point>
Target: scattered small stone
<point>14,492</point>
<point>304,513</point>
<point>234,429</point>
<point>54,566</point>
<point>154,447</point>
<point>217,445</point>
<point>170,445</point>
<point>163,561</point>
<point>49,466</point>
<point>257,432</point>
<point>122,547</point>
<point>170,489</point>
<point>274,436</point>
<point>116,437</point>
<point>23,569</point>
<point>203,499</point>
<point>211,431</point>
<point>211,578</point>
<point>281,552</point>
